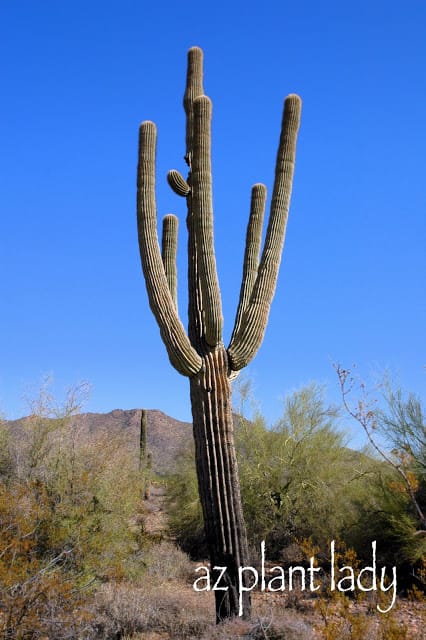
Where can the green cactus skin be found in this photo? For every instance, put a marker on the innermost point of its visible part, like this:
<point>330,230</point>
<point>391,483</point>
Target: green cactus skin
<point>168,253</point>
<point>200,354</point>
<point>252,252</point>
<point>178,183</point>
<point>202,212</point>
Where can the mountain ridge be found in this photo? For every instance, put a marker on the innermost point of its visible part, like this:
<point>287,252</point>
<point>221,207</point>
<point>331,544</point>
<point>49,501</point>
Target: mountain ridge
<point>165,436</point>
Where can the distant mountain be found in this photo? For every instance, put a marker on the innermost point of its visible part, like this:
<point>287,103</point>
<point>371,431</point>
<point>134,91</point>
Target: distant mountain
<point>165,435</point>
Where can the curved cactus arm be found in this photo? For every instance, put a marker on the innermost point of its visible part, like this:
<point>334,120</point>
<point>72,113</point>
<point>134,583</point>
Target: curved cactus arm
<point>181,353</point>
<point>202,211</point>
<point>169,251</point>
<point>178,183</point>
<point>252,251</point>
<point>247,341</point>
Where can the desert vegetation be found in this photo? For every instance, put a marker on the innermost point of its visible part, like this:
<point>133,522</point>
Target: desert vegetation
<point>77,559</point>
<point>66,509</point>
<point>300,481</point>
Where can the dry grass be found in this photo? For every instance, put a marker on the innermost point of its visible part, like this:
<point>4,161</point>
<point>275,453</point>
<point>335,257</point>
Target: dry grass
<point>165,562</point>
<point>163,609</point>
<point>164,606</point>
<point>174,611</point>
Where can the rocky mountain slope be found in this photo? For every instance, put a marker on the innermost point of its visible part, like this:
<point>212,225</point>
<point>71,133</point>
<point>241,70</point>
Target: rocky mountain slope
<point>165,435</point>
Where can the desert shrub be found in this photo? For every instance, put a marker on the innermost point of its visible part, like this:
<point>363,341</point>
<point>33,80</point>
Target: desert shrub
<point>396,429</point>
<point>66,502</point>
<point>297,476</point>
<point>402,425</point>
<point>38,596</point>
<point>165,561</point>
<point>97,488</point>
<point>123,610</point>
<point>276,627</point>
<point>91,482</point>
<point>6,464</point>
<point>340,621</point>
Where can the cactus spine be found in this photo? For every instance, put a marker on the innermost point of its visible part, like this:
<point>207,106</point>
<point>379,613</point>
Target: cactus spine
<point>200,354</point>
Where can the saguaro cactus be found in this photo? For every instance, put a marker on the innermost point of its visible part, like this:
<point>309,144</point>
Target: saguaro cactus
<point>200,353</point>
<point>142,441</point>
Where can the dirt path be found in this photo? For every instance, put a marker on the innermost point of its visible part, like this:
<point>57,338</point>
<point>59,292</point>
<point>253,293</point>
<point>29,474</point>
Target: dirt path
<point>155,519</point>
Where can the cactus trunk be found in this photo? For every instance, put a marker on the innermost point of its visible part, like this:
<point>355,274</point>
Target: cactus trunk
<point>218,479</point>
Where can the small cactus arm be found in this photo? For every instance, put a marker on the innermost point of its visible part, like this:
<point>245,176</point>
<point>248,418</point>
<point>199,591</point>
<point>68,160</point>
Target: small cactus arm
<point>200,353</point>
<point>168,253</point>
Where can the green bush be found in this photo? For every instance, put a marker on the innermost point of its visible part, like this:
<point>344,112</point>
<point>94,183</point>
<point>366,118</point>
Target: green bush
<point>396,429</point>
<point>300,480</point>
<point>90,485</point>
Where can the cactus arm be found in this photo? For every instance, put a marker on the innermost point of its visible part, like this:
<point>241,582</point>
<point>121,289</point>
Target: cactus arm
<point>202,209</point>
<point>248,339</point>
<point>181,353</point>
<point>203,281</point>
<point>168,253</point>
<point>252,251</point>
<point>193,89</point>
<point>178,183</point>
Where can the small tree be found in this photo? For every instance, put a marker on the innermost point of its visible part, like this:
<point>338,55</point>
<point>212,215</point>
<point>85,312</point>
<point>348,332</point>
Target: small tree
<point>397,433</point>
<point>200,354</point>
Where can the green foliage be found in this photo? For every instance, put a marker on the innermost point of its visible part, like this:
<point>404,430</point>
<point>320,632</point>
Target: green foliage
<point>299,480</point>
<point>403,424</point>
<point>299,477</point>
<point>5,451</point>
<point>97,490</point>
<point>37,595</point>
<point>67,497</point>
<point>396,431</point>
<point>92,483</point>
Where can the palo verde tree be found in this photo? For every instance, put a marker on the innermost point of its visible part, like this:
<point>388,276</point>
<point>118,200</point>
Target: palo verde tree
<point>200,353</point>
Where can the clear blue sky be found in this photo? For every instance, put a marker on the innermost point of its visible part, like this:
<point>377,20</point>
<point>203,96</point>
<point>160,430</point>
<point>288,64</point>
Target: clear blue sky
<point>76,80</point>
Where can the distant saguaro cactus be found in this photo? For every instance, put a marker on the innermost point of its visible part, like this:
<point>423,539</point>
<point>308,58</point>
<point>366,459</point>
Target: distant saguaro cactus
<point>142,441</point>
<point>200,354</point>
